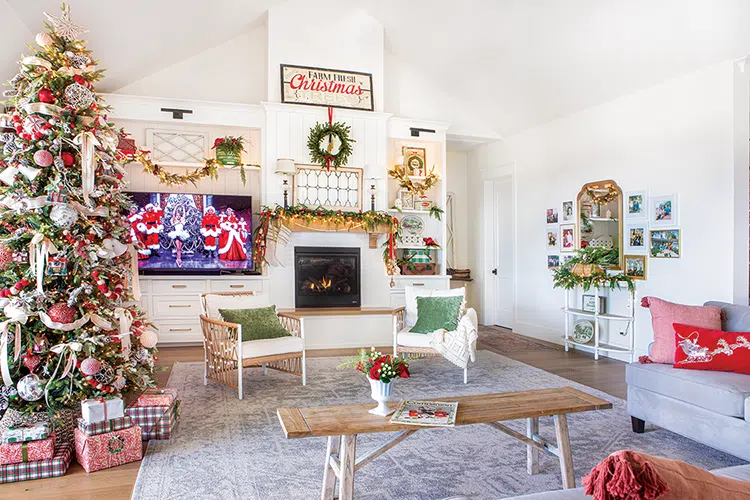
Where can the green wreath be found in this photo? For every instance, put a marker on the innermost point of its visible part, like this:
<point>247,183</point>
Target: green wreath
<point>326,132</point>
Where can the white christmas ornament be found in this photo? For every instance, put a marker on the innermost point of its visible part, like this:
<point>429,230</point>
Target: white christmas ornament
<point>63,215</point>
<point>149,339</point>
<point>30,387</point>
<point>64,27</point>
<point>105,375</point>
<point>43,40</point>
<point>78,96</point>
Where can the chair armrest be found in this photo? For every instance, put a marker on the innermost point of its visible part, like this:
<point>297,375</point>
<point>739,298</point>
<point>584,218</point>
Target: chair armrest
<point>398,316</point>
<point>291,324</point>
<point>219,334</point>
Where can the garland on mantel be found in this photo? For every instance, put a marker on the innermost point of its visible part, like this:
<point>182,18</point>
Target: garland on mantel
<point>272,219</point>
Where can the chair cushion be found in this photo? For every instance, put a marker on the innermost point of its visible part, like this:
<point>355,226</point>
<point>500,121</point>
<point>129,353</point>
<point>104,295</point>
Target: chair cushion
<point>720,392</point>
<point>436,313</point>
<point>407,339</point>
<point>257,323</point>
<point>270,347</point>
<point>412,292</point>
<point>215,302</point>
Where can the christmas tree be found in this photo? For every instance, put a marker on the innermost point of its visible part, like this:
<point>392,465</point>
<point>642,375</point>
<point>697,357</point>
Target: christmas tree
<point>70,326</point>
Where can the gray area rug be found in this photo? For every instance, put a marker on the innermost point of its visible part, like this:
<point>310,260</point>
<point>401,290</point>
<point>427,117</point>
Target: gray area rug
<point>225,448</point>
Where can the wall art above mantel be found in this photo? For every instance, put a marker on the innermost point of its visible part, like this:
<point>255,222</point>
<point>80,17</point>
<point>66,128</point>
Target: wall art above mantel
<point>326,87</point>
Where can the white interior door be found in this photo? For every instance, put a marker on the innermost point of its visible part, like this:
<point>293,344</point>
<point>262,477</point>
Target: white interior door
<point>502,272</point>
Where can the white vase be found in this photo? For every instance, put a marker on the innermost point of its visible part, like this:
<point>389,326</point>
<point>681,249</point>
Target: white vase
<point>382,394</point>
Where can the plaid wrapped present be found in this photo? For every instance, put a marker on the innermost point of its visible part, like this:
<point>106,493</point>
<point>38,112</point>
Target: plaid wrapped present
<point>26,432</point>
<point>27,451</point>
<point>108,450</point>
<point>156,397</point>
<point>112,425</point>
<point>156,422</point>
<point>39,469</point>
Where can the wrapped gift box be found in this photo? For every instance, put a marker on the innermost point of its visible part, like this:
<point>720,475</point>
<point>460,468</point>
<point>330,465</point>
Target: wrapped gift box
<point>27,451</point>
<point>156,422</point>
<point>101,409</point>
<point>39,469</point>
<point>112,425</point>
<point>109,449</point>
<point>157,397</point>
<point>26,432</point>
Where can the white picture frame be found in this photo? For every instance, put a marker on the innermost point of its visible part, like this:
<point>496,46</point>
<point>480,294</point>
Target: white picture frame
<point>552,216</point>
<point>636,233</point>
<point>553,243</point>
<point>567,239</point>
<point>663,211</point>
<point>636,205</point>
<point>568,211</point>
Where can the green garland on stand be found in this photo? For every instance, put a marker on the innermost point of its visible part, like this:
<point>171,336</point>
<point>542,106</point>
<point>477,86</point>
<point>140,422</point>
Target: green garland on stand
<point>326,157</point>
<point>565,278</point>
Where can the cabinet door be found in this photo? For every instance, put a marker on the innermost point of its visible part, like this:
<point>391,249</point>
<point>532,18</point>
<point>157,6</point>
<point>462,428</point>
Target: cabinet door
<point>176,306</point>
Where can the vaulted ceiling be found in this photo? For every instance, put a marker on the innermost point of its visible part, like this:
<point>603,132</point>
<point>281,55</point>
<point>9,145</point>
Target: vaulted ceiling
<point>509,64</point>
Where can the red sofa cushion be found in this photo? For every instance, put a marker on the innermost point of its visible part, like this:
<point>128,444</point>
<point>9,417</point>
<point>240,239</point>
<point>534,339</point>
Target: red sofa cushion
<point>706,349</point>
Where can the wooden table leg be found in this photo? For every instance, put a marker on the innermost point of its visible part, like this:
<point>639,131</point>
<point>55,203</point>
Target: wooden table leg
<point>329,476</point>
<point>566,455</point>
<point>348,458</point>
<point>532,453</point>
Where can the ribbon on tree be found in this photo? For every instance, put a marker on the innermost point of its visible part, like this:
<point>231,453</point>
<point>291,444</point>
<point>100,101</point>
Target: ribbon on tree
<point>34,108</point>
<point>72,349</point>
<point>87,142</point>
<point>87,212</point>
<point>64,327</point>
<point>135,282</point>
<point>4,340</point>
<point>41,248</point>
<point>328,157</point>
<point>125,319</point>
<point>19,204</point>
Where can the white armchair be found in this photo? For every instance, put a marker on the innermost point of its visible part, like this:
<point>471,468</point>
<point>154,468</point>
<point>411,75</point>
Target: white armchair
<point>421,344</point>
<point>226,354</point>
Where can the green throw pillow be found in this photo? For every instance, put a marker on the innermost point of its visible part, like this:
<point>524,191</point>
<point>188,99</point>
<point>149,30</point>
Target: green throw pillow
<point>434,313</point>
<point>258,323</point>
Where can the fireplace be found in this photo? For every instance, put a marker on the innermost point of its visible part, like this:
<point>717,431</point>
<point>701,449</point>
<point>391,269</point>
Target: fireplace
<point>326,277</point>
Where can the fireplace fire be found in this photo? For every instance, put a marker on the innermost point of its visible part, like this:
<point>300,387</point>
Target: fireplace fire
<point>327,277</point>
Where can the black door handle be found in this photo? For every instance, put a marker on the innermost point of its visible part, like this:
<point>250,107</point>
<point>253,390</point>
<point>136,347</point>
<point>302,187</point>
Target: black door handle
<point>494,271</point>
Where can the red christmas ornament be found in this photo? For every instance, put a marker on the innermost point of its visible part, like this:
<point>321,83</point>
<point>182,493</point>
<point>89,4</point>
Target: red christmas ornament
<point>61,313</point>
<point>67,158</point>
<point>46,96</point>
<point>6,257</point>
<point>30,361</point>
<point>90,366</point>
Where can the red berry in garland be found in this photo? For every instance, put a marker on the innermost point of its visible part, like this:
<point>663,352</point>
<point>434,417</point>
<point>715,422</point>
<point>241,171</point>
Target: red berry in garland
<point>46,96</point>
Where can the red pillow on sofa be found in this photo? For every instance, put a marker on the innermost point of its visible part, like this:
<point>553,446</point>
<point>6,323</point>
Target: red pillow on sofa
<point>704,349</point>
<point>664,314</point>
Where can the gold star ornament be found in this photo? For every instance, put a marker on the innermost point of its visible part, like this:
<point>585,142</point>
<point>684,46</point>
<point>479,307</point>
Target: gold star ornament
<point>64,27</point>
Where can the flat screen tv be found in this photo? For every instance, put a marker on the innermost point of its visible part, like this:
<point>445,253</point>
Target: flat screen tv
<point>203,234</point>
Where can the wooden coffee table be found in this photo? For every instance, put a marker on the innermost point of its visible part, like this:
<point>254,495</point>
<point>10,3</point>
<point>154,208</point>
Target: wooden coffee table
<point>342,423</point>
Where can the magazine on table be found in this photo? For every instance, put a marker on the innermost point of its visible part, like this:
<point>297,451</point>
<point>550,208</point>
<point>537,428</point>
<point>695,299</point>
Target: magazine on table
<point>428,413</point>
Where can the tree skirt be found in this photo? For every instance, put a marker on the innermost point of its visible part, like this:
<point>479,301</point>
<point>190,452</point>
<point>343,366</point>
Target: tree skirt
<point>227,448</point>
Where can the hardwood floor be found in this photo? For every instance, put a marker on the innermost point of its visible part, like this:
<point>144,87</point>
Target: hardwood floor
<point>117,484</point>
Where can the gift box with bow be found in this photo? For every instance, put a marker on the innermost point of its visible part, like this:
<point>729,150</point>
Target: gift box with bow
<point>109,449</point>
<point>111,425</point>
<point>26,432</point>
<point>156,422</point>
<point>157,397</point>
<point>101,409</point>
<point>39,469</point>
<point>27,451</point>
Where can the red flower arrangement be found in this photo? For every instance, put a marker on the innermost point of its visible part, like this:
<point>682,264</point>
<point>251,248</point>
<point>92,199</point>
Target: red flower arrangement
<point>378,366</point>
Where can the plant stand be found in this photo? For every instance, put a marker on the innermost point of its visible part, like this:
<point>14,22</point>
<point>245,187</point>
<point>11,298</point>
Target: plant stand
<point>598,317</point>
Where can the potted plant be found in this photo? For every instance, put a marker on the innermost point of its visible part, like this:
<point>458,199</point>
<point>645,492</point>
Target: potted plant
<point>587,269</point>
<point>381,370</point>
<point>229,150</point>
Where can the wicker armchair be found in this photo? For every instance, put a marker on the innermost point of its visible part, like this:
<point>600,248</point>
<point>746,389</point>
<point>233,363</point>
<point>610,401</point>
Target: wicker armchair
<point>224,350</point>
<point>417,344</point>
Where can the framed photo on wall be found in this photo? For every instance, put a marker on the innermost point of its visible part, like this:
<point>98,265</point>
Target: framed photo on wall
<point>636,205</point>
<point>635,237</point>
<point>635,266</point>
<point>552,217</point>
<point>552,243</point>
<point>663,210</point>
<point>568,212</point>
<point>553,261</point>
<point>665,243</point>
<point>567,237</point>
<point>405,199</point>
<point>415,160</point>
<point>588,303</point>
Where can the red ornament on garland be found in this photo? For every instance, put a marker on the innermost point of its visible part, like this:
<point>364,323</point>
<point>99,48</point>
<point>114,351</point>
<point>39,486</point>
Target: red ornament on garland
<point>67,158</point>
<point>43,158</point>
<point>30,361</point>
<point>61,313</point>
<point>46,96</point>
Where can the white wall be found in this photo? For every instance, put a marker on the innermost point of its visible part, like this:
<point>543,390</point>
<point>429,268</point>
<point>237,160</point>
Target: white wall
<point>676,137</point>
<point>234,71</point>
<point>457,165</point>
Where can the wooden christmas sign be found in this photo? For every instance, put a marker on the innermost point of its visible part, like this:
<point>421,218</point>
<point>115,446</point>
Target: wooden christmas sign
<point>326,87</point>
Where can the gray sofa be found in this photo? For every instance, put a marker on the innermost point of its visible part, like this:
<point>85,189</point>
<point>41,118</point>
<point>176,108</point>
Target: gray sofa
<point>712,408</point>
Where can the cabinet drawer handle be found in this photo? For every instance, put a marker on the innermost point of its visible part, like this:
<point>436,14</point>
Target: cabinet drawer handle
<point>417,284</point>
<point>180,329</point>
<point>236,286</point>
<point>179,286</point>
<point>180,305</point>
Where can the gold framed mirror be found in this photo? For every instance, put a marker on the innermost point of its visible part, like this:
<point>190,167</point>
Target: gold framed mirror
<point>599,219</point>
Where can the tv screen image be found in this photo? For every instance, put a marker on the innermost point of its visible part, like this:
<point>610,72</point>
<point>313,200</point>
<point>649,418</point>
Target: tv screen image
<point>192,233</point>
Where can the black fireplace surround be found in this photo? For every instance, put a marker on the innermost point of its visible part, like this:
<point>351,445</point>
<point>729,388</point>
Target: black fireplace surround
<point>326,277</point>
